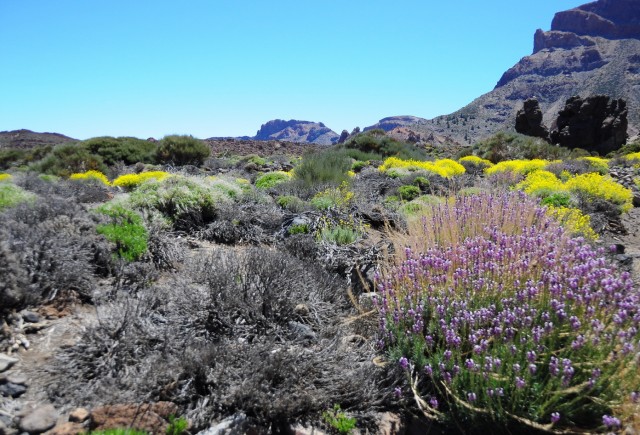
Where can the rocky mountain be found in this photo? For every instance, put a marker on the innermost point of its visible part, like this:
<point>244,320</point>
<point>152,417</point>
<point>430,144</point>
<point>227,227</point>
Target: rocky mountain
<point>30,139</point>
<point>592,49</point>
<point>297,131</point>
<point>406,128</point>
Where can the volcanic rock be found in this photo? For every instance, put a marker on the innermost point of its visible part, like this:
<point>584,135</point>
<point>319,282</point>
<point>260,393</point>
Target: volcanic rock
<point>596,123</point>
<point>39,420</point>
<point>529,120</point>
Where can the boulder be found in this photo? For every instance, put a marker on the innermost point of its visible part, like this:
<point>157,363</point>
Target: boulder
<point>597,123</point>
<point>6,362</point>
<point>529,120</point>
<point>39,420</point>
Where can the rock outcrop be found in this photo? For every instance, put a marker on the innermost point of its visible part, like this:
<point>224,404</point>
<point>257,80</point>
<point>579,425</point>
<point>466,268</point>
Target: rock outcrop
<point>391,122</point>
<point>590,50</point>
<point>611,19</point>
<point>529,120</point>
<point>596,123</point>
<point>297,131</point>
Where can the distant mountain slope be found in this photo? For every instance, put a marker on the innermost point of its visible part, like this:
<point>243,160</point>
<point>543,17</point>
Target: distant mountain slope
<point>30,139</point>
<point>297,131</point>
<point>592,49</point>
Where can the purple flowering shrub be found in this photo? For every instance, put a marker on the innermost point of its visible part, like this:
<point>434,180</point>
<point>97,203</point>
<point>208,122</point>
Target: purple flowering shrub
<point>504,316</point>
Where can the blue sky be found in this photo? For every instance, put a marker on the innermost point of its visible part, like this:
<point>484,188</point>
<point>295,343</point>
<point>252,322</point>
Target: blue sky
<point>223,67</point>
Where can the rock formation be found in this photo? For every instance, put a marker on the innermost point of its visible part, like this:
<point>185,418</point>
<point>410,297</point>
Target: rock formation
<point>590,50</point>
<point>596,123</point>
<point>297,131</point>
<point>529,120</point>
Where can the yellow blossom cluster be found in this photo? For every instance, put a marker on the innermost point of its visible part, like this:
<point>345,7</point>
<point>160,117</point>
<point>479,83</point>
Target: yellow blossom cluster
<point>574,221</point>
<point>130,181</point>
<point>476,161</point>
<point>599,164</point>
<point>523,167</point>
<point>445,167</point>
<point>91,175</point>
<point>5,177</point>
<point>592,185</point>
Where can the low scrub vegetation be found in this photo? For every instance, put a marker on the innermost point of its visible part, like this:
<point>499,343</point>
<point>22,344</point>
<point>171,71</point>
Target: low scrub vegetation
<point>364,278</point>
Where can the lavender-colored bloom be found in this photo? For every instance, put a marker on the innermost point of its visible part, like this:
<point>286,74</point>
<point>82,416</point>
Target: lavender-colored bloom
<point>428,370</point>
<point>520,383</point>
<point>471,397</point>
<point>555,417</point>
<point>398,392</point>
<point>635,396</point>
<point>433,402</point>
<point>404,363</point>
<point>610,422</point>
<point>533,369</point>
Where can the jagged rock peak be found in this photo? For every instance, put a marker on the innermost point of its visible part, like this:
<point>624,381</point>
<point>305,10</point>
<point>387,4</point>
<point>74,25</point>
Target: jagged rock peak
<point>297,131</point>
<point>611,19</point>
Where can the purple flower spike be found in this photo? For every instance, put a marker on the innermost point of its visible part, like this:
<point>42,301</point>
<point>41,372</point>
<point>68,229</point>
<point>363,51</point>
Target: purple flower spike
<point>398,392</point>
<point>609,421</point>
<point>555,417</point>
<point>635,396</point>
<point>471,397</point>
<point>404,363</point>
<point>433,402</point>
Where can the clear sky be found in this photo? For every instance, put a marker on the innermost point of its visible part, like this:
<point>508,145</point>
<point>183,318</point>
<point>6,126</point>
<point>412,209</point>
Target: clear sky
<point>147,68</point>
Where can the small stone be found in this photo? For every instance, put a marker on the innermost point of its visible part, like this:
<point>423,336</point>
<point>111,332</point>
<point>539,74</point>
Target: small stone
<point>16,378</point>
<point>636,200</point>
<point>301,310</point>
<point>302,331</point>
<point>40,420</point>
<point>30,317</point>
<point>6,362</point>
<point>79,415</point>
<point>12,390</point>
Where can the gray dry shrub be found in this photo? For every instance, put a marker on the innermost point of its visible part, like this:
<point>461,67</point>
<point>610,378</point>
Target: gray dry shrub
<point>249,331</point>
<point>53,243</point>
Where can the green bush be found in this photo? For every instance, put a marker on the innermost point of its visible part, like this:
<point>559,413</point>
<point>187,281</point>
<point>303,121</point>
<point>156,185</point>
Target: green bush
<point>512,146</point>
<point>17,156</point>
<point>70,158</point>
<point>298,229</point>
<point>558,199</point>
<point>408,192</point>
<point>177,426</point>
<point>12,195</point>
<point>268,180</point>
<point>125,229</point>
<point>182,150</point>
<point>128,150</point>
<point>187,202</point>
<point>326,167</point>
<point>422,182</point>
<point>359,165</point>
<point>339,421</point>
<point>291,203</point>
<point>378,143</point>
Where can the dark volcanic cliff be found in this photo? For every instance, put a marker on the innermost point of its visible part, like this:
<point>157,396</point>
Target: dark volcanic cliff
<point>593,49</point>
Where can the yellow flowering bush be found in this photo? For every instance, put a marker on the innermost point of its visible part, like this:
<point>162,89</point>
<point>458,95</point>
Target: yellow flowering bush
<point>599,164</point>
<point>541,183</point>
<point>523,167</point>
<point>574,221</point>
<point>5,177</point>
<point>131,181</point>
<point>445,167</point>
<point>604,187</point>
<point>91,175</point>
<point>632,156</point>
<point>476,161</point>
